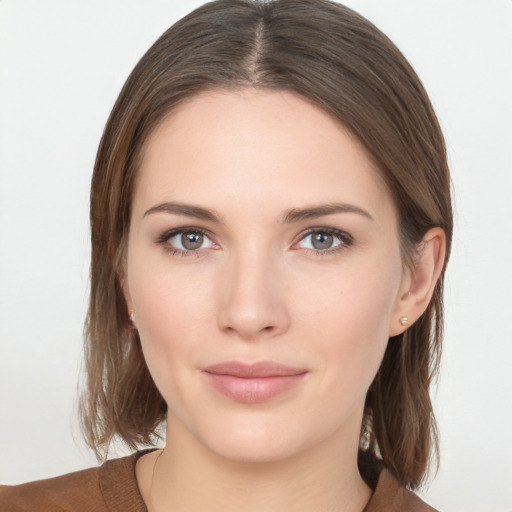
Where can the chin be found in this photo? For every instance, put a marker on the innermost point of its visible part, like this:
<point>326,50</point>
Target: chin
<point>255,450</point>
<point>260,442</point>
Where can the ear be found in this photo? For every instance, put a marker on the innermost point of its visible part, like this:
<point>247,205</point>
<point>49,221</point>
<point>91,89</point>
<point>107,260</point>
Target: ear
<point>418,282</point>
<point>121,274</point>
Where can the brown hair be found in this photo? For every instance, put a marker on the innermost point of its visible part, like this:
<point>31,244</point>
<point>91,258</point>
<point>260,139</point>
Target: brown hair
<point>335,58</point>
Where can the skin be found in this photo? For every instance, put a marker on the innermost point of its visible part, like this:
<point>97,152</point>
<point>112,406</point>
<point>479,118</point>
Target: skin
<point>258,289</point>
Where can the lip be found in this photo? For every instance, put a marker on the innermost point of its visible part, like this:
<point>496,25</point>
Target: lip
<point>253,383</point>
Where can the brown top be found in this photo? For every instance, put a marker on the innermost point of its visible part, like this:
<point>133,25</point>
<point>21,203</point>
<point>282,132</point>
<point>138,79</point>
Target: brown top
<point>113,487</point>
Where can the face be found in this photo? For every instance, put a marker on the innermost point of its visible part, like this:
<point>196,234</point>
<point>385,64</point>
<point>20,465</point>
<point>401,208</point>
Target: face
<point>263,268</point>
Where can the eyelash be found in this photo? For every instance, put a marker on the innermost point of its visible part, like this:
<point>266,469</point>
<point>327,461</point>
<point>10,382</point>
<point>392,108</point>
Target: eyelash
<point>165,237</point>
<point>345,239</point>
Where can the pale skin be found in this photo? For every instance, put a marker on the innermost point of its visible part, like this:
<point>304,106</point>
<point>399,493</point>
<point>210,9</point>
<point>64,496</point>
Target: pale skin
<point>321,291</point>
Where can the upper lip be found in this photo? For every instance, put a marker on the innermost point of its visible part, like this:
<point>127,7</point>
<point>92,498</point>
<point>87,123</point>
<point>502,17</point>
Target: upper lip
<point>260,369</point>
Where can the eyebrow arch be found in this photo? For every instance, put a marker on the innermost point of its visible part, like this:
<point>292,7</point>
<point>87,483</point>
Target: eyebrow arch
<point>298,214</point>
<point>187,210</point>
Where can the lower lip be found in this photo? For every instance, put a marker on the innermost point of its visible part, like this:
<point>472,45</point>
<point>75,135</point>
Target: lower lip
<point>253,390</point>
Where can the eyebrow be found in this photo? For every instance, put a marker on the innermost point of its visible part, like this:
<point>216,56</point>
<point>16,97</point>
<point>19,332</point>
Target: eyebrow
<point>291,216</point>
<point>298,214</point>
<point>187,210</point>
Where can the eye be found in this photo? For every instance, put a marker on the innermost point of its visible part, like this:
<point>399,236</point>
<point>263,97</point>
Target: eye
<point>185,242</point>
<point>325,240</point>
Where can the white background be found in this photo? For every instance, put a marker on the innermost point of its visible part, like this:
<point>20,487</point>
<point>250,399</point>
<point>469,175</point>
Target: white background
<point>62,64</point>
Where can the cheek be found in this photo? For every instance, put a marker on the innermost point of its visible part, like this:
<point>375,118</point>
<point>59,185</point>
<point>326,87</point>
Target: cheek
<point>354,298</point>
<point>164,299</point>
<point>349,320</point>
<point>172,308</point>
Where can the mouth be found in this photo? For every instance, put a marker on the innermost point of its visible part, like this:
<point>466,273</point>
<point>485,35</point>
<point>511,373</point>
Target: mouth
<point>253,383</point>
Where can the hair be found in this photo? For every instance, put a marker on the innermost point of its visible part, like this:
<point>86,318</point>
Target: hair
<point>335,58</point>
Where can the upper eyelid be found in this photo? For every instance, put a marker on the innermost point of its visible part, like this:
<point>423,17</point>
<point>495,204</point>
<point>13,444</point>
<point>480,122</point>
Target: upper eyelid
<point>340,233</point>
<point>169,233</point>
<point>346,242</point>
<point>164,238</point>
<point>325,230</point>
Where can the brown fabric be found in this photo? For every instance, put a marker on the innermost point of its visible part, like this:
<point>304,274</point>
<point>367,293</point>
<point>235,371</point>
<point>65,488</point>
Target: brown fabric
<point>113,488</point>
<point>389,496</point>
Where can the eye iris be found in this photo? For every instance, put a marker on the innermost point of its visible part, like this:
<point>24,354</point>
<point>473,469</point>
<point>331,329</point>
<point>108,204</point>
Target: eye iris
<point>191,240</point>
<point>322,240</point>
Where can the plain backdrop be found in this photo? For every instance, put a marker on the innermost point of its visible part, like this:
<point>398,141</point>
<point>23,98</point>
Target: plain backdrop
<point>62,64</point>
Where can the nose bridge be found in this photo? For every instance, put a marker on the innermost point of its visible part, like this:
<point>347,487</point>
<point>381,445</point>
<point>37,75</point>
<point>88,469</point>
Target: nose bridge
<point>252,303</point>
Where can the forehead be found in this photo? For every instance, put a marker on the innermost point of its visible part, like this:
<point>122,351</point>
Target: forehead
<point>246,146</point>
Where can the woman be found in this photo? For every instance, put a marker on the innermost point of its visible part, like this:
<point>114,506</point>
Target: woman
<point>271,221</point>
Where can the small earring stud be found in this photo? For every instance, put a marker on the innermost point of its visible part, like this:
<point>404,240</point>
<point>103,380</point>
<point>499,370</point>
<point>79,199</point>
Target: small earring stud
<point>131,316</point>
<point>404,320</point>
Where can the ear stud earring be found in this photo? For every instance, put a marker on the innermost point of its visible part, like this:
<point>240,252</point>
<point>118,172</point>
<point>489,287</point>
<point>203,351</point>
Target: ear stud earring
<point>131,316</point>
<point>404,320</point>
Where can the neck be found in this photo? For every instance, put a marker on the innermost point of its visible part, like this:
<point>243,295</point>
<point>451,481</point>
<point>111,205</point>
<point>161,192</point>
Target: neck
<point>187,476</point>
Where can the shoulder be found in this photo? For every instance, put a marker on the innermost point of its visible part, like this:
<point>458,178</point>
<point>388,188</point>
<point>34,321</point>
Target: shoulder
<point>65,492</point>
<point>390,496</point>
<point>110,487</point>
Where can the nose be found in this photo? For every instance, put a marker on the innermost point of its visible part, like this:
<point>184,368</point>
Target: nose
<point>252,302</point>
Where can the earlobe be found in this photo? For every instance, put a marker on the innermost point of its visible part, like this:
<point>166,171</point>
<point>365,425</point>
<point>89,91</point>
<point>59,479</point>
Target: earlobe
<point>421,281</point>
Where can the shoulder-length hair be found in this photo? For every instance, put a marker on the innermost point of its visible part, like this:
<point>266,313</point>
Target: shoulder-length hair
<point>338,60</point>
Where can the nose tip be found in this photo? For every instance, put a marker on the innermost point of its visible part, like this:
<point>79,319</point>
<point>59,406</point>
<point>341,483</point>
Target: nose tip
<point>252,306</point>
<point>249,326</point>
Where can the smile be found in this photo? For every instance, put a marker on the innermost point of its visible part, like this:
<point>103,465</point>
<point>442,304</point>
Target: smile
<point>253,383</point>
